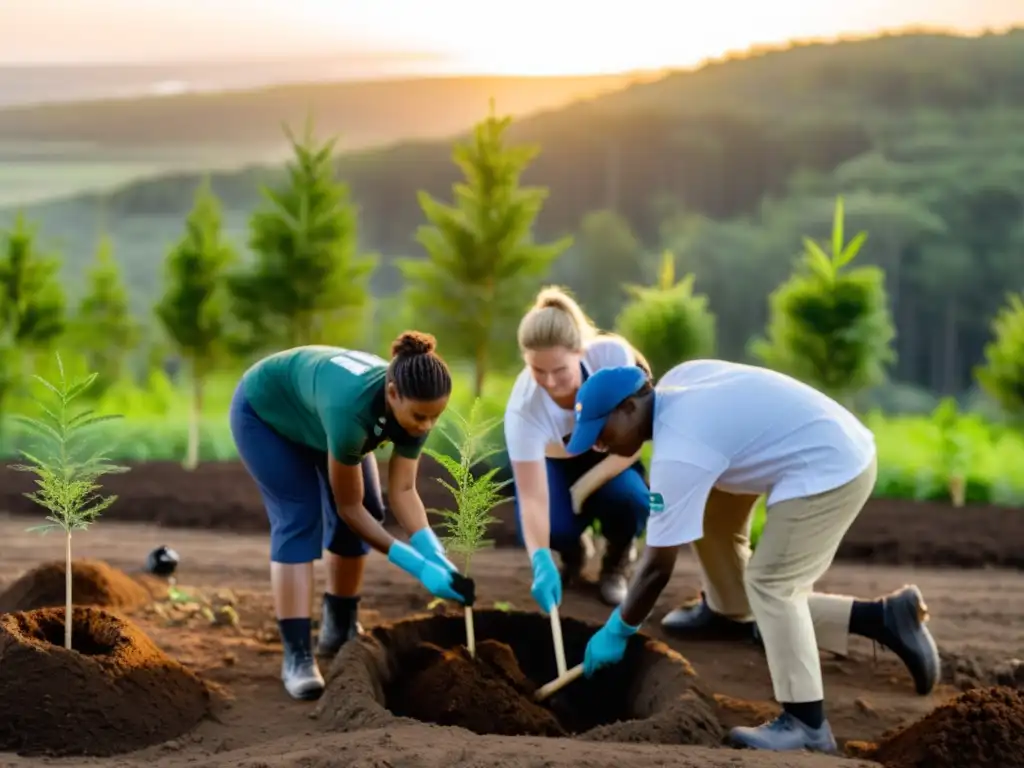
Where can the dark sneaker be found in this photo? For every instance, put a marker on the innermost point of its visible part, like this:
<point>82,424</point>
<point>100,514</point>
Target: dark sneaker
<point>573,562</point>
<point>905,634</point>
<point>784,734</point>
<point>301,676</point>
<point>699,620</point>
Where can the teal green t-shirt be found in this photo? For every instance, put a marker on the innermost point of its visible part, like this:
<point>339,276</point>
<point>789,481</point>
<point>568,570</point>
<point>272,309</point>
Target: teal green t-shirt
<point>328,398</point>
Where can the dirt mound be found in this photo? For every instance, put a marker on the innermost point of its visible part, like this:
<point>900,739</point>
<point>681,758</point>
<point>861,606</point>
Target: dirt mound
<point>113,692</point>
<point>982,728</point>
<point>488,694</point>
<point>93,582</point>
<point>416,670</point>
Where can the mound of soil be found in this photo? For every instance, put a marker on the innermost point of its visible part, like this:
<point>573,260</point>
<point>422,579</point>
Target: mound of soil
<point>417,669</point>
<point>113,692</point>
<point>93,582</point>
<point>982,728</point>
<point>486,694</point>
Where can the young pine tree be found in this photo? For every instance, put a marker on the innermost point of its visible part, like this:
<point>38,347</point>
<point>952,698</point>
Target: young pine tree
<point>482,264</point>
<point>32,304</point>
<point>309,284</point>
<point>668,322</point>
<point>105,330</point>
<point>194,308</point>
<point>830,326</point>
<point>1002,375</point>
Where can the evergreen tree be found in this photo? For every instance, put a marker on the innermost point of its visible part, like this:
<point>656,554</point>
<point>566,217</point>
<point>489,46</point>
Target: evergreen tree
<point>1002,375</point>
<point>668,322</point>
<point>194,310</point>
<point>482,262</point>
<point>105,331</point>
<point>308,284</point>
<point>830,326</point>
<point>32,303</point>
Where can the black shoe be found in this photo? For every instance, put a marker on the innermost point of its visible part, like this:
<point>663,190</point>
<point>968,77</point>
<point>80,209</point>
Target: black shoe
<point>905,634</point>
<point>338,624</point>
<point>699,620</point>
<point>301,675</point>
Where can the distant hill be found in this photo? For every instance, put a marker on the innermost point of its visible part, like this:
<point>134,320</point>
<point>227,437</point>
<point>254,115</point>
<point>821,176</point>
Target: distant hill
<point>363,113</point>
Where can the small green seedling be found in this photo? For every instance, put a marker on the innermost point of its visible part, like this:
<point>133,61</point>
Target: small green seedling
<point>475,496</point>
<point>66,469</point>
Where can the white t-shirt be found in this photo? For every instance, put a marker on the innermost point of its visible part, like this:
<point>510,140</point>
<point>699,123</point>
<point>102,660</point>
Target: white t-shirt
<point>535,425</point>
<point>744,430</point>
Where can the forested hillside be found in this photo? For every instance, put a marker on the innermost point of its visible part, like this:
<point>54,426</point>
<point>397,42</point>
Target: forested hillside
<point>729,167</point>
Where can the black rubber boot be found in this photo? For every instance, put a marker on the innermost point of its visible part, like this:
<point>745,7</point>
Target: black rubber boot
<point>338,624</point>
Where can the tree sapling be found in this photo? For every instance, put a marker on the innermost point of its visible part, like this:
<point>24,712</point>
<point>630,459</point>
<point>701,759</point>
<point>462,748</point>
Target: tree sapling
<point>475,496</point>
<point>66,470</point>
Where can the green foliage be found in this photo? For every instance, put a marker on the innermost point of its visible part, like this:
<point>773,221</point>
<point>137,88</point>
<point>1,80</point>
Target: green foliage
<point>482,262</point>
<point>474,495</point>
<point>668,322</point>
<point>194,311</point>
<point>308,284</point>
<point>64,460</point>
<point>32,305</point>
<point>67,466</point>
<point>606,254</point>
<point>1002,375</point>
<point>103,326</point>
<point>829,327</point>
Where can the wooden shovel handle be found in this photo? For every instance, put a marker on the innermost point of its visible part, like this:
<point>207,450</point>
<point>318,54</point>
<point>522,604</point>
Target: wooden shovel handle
<point>558,683</point>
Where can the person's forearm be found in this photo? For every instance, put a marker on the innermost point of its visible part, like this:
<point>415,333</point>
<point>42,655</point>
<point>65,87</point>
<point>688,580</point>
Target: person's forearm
<point>651,578</point>
<point>409,510</point>
<point>533,517</point>
<point>366,527</point>
<point>599,474</point>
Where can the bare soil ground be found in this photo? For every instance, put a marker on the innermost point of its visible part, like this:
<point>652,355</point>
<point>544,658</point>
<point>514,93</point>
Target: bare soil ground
<point>222,496</point>
<point>226,633</point>
<point>978,620</point>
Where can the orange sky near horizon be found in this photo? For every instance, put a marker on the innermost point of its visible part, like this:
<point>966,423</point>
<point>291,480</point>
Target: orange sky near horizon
<point>524,37</point>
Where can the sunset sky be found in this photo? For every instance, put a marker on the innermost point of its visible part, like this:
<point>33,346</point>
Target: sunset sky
<point>521,37</point>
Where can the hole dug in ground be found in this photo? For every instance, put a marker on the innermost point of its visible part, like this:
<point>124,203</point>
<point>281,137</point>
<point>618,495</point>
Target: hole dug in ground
<point>113,692</point>
<point>419,669</point>
<point>93,582</point>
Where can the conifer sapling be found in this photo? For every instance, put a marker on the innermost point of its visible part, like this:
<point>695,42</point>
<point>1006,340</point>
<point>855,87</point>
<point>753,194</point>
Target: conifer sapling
<point>66,467</point>
<point>475,495</point>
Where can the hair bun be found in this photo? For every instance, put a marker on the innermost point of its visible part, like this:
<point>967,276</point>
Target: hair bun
<point>413,343</point>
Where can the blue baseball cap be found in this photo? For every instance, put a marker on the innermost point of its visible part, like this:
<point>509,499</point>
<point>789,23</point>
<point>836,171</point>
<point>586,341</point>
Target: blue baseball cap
<point>601,394</point>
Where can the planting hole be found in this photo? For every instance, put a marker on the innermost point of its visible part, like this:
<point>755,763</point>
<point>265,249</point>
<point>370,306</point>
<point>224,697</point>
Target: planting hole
<point>420,669</point>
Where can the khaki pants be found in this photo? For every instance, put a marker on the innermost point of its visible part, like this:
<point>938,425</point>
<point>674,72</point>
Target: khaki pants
<point>775,586</point>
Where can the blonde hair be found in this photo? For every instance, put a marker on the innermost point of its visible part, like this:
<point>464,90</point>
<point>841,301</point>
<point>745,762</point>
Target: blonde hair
<point>555,320</point>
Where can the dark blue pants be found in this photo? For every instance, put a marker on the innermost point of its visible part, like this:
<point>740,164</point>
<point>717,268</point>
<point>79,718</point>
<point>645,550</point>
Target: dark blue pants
<point>621,505</point>
<point>292,479</point>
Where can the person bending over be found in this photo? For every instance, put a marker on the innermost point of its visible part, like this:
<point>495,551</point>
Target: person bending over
<point>558,498</point>
<point>306,422</point>
<point>723,434</point>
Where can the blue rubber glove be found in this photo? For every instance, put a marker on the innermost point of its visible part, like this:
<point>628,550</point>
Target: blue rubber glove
<point>608,645</point>
<point>436,579</point>
<point>547,581</point>
<point>425,542</point>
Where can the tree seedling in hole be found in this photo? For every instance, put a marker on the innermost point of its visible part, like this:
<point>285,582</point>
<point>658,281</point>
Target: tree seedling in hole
<point>475,496</point>
<point>66,469</point>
